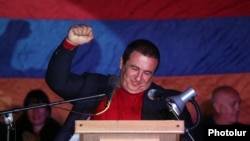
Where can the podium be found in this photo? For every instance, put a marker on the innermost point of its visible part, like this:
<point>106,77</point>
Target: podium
<point>129,130</point>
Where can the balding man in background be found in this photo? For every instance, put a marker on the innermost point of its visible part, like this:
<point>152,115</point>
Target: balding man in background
<point>225,102</point>
<point>226,106</point>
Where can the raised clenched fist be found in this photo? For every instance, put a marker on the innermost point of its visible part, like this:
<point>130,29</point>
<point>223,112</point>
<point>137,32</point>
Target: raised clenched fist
<point>80,34</point>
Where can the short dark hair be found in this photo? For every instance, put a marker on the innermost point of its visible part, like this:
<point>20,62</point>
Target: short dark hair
<point>143,46</point>
<point>37,96</point>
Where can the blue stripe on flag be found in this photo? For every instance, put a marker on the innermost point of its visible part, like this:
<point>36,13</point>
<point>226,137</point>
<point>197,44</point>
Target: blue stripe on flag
<point>188,47</point>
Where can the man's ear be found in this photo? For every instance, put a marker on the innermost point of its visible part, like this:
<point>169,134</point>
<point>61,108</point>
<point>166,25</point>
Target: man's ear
<point>121,62</point>
<point>217,107</point>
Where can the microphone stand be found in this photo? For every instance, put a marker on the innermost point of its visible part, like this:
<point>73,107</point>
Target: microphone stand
<point>8,113</point>
<point>196,106</point>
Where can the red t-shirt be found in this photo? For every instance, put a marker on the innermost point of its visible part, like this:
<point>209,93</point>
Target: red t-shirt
<point>124,106</point>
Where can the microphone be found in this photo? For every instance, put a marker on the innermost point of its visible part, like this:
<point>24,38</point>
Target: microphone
<point>176,103</point>
<point>113,83</point>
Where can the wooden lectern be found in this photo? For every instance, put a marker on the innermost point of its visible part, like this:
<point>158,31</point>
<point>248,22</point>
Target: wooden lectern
<point>129,130</point>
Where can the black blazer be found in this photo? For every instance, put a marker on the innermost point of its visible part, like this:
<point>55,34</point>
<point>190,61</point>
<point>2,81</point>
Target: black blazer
<point>70,86</point>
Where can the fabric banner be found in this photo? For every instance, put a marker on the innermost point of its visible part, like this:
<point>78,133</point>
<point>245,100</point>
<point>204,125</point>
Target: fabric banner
<point>203,43</point>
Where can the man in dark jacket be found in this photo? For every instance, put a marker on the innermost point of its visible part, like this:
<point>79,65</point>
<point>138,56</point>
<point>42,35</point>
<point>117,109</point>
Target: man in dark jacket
<point>128,92</point>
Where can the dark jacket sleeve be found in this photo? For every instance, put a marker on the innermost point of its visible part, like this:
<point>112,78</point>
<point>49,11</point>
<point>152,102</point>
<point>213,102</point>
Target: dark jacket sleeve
<point>72,86</point>
<point>58,76</point>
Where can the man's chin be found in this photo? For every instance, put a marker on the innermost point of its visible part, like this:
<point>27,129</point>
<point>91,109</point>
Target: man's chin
<point>135,90</point>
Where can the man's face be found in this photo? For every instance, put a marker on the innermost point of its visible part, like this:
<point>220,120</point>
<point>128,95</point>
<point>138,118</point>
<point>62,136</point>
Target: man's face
<point>229,107</point>
<point>137,73</point>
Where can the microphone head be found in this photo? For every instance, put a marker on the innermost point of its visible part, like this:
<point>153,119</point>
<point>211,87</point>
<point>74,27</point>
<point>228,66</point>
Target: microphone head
<point>113,83</point>
<point>151,94</point>
<point>182,99</point>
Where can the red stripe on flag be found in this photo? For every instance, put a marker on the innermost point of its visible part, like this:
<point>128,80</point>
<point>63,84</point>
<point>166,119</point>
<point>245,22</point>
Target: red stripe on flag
<point>123,9</point>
